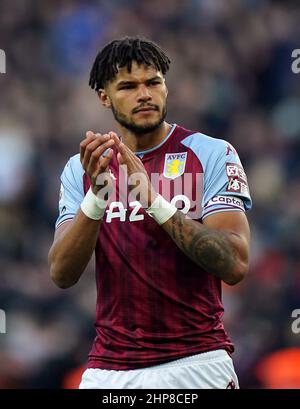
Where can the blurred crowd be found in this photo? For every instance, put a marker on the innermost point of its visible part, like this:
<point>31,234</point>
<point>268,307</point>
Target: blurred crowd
<point>230,78</point>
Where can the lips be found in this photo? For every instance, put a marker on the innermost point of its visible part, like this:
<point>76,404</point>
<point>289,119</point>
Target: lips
<point>146,109</point>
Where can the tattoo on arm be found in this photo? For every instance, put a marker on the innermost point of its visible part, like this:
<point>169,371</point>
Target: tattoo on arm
<point>211,249</point>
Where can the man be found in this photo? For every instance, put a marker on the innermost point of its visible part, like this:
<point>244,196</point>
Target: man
<point>158,269</point>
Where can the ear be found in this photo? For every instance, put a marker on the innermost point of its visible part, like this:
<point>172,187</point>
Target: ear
<point>104,98</point>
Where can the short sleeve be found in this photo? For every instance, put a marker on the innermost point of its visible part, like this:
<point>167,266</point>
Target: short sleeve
<point>71,190</point>
<point>225,186</point>
<point>225,182</point>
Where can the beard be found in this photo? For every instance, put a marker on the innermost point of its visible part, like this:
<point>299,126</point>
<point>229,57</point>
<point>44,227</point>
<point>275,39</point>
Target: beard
<point>135,128</point>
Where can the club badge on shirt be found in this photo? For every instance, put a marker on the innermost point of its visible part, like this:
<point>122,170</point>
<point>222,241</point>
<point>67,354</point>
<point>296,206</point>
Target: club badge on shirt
<point>174,164</point>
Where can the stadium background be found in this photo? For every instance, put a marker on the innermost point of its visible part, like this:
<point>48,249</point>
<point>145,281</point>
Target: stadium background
<point>231,78</point>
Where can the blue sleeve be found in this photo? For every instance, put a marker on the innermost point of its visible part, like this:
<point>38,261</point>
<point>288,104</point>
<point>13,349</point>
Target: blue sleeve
<point>225,182</point>
<point>71,190</point>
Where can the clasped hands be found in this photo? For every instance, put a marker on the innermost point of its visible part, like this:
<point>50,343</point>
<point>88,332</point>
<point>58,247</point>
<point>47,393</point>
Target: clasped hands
<point>96,153</point>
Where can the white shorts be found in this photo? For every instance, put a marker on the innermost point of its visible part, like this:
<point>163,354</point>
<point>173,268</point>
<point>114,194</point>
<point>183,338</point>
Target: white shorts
<point>209,370</point>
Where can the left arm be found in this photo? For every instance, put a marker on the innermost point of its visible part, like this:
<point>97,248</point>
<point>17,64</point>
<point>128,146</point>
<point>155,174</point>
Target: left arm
<point>220,245</point>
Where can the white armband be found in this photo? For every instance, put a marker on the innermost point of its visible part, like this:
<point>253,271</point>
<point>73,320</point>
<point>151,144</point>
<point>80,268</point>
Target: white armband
<point>161,210</point>
<point>93,206</point>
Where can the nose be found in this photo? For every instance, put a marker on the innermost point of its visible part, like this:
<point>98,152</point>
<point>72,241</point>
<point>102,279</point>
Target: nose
<point>143,93</point>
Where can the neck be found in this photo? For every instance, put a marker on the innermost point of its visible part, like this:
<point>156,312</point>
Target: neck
<point>142,142</point>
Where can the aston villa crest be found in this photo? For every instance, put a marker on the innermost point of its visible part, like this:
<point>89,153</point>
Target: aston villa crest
<point>174,164</point>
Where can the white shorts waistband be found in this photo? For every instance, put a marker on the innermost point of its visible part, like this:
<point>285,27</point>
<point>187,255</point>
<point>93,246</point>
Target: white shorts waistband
<point>203,357</point>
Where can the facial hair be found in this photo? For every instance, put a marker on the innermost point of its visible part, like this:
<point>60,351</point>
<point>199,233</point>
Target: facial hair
<point>138,129</point>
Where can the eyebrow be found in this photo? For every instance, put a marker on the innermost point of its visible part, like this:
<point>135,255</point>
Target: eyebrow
<point>122,83</point>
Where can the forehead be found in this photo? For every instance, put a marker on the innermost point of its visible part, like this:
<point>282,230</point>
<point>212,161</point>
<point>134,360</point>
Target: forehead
<point>139,72</point>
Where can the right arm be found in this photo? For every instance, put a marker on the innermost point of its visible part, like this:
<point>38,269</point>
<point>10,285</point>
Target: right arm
<point>75,240</point>
<point>72,248</point>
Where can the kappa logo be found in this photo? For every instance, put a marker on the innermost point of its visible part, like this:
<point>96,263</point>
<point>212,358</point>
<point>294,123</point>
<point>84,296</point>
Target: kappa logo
<point>231,385</point>
<point>230,148</point>
<point>174,164</point>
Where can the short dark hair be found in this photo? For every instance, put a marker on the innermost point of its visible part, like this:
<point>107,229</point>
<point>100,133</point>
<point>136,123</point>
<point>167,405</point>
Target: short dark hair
<point>121,53</point>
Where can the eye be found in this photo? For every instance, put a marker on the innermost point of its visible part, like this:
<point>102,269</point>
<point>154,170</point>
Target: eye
<point>129,86</point>
<point>155,83</point>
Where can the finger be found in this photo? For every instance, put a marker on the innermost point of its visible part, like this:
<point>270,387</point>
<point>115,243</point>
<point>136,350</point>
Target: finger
<point>93,159</point>
<point>90,136</point>
<point>125,155</point>
<point>115,137</point>
<point>120,158</point>
<point>93,145</point>
<point>113,134</point>
<point>122,149</point>
<point>104,162</point>
<point>97,155</point>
